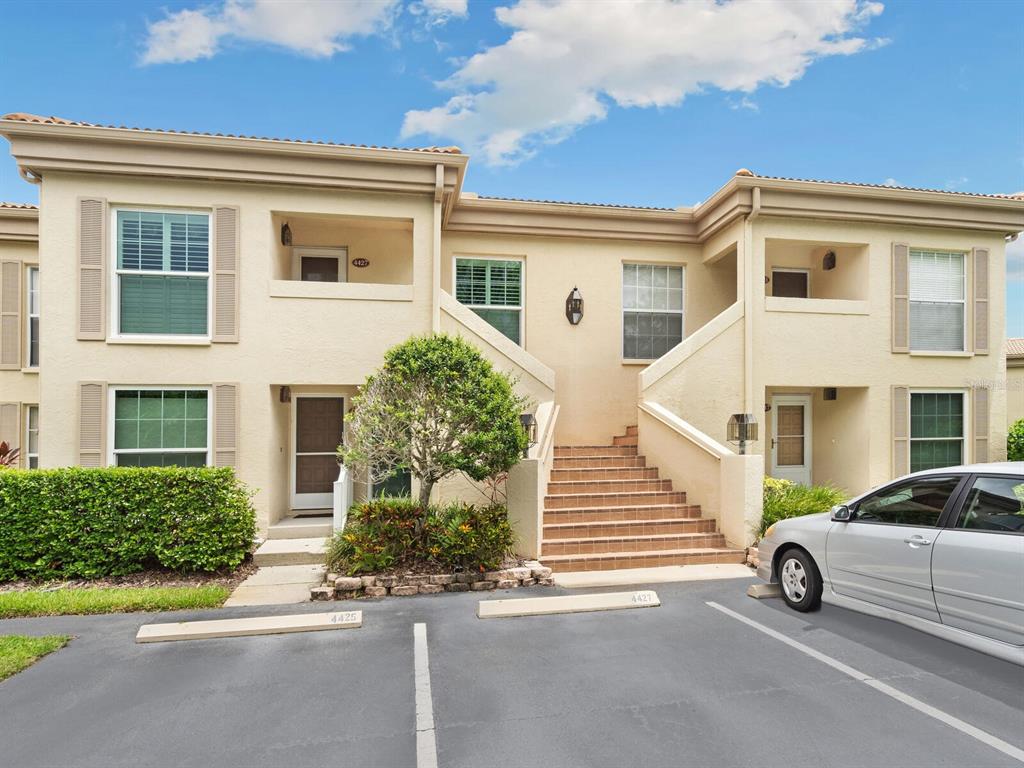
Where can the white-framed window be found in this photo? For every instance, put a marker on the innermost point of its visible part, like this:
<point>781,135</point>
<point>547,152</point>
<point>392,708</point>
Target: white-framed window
<point>161,275</point>
<point>938,288</point>
<point>32,326</point>
<point>320,265</point>
<point>159,426</point>
<point>652,309</point>
<point>32,436</point>
<point>493,288</point>
<point>791,282</point>
<point>938,426</point>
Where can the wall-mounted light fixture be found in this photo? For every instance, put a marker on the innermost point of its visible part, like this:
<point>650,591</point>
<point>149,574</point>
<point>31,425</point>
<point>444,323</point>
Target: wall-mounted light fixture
<point>285,395</point>
<point>286,234</point>
<point>830,393</point>
<point>529,424</point>
<point>829,262</point>
<point>574,306</point>
<point>741,429</point>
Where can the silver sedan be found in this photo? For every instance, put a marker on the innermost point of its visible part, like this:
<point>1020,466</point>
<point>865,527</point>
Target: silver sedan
<point>941,551</point>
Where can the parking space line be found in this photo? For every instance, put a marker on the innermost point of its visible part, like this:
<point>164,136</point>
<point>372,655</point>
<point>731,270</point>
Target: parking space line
<point>426,741</point>
<point>943,717</point>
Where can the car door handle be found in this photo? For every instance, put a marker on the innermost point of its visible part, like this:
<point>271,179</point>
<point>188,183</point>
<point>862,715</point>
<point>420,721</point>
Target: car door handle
<point>917,541</point>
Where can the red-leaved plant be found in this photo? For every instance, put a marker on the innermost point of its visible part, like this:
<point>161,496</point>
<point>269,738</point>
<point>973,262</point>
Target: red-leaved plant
<point>8,455</point>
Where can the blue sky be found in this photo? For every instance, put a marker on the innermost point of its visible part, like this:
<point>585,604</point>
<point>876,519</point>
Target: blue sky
<point>652,104</point>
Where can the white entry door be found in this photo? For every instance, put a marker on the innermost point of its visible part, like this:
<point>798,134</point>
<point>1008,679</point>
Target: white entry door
<point>317,424</point>
<point>791,438</point>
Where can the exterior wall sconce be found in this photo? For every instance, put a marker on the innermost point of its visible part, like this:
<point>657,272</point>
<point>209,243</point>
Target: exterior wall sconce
<point>742,428</point>
<point>285,396</point>
<point>829,262</point>
<point>286,234</point>
<point>529,424</point>
<point>830,393</point>
<point>574,306</point>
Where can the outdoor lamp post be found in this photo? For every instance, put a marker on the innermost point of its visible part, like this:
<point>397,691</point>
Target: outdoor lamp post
<point>742,427</point>
<point>574,306</point>
<point>529,423</point>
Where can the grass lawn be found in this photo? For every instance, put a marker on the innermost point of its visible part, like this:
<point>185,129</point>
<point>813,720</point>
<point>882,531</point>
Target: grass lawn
<point>20,651</point>
<point>63,602</point>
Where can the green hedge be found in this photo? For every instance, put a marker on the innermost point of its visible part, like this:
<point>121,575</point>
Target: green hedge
<point>784,499</point>
<point>1015,442</point>
<point>80,523</point>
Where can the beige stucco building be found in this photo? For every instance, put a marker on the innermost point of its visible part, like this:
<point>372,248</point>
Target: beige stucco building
<point>1014,380</point>
<point>201,298</point>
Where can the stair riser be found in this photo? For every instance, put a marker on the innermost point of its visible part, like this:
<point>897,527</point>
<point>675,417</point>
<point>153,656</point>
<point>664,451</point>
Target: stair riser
<point>299,531</point>
<point>288,558</point>
<point>625,440</point>
<point>640,546</point>
<point>614,499</point>
<point>581,475</point>
<point>654,560</point>
<point>608,486</point>
<point>633,431</point>
<point>594,515</point>
<point>647,528</point>
<point>599,462</point>
<point>582,451</point>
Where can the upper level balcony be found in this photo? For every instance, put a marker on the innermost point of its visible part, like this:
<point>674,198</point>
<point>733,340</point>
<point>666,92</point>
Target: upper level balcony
<point>321,256</point>
<point>816,277</point>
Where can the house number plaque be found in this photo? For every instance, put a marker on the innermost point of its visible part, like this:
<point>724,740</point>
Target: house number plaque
<point>360,262</point>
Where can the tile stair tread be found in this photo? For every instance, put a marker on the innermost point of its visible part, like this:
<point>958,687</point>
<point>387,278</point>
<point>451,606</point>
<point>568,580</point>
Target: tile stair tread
<point>632,537</point>
<point>603,510</point>
<point>616,493</point>
<point>624,523</point>
<point>648,553</point>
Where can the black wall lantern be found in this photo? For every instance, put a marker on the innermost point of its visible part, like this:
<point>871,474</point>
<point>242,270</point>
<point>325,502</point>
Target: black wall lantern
<point>529,424</point>
<point>574,306</point>
<point>286,234</point>
<point>829,261</point>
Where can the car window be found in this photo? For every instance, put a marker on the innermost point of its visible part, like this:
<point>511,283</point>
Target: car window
<point>915,502</point>
<point>995,504</point>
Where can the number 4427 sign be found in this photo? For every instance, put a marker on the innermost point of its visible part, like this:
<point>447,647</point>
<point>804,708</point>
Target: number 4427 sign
<point>360,262</point>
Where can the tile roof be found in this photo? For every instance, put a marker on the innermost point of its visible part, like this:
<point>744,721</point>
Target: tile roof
<point>1017,196</point>
<point>20,206</point>
<point>29,118</point>
<point>567,202</point>
<point>1015,348</point>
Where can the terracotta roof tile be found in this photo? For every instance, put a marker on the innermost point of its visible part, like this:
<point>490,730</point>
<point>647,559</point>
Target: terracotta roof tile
<point>29,118</point>
<point>20,206</point>
<point>1017,196</point>
<point>568,202</point>
<point>1015,348</point>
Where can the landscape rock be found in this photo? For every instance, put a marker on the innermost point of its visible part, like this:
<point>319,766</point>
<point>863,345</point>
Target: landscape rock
<point>546,582</point>
<point>541,572</point>
<point>368,581</point>
<point>413,580</point>
<point>321,593</point>
<point>480,586</point>
<point>387,581</point>
<point>506,584</point>
<point>430,589</point>
<point>404,590</point>
<point>520,573</point>
<point>528,582</point>
<point>346,594</point>
<point>467,578</point>
<point>348,583</point>
<point>457,587</point>
<point>442,578</point>
<point>497,575</point>
<point>375,591</point>
<point>331,577</point>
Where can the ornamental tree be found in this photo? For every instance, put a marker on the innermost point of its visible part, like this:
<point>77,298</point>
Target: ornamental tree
<point>436,407</point>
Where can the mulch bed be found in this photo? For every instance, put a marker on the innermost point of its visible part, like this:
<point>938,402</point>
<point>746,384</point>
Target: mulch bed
<point>155,578</point>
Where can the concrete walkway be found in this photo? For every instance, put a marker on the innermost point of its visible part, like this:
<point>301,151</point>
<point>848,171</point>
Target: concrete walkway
<point>277,585</point>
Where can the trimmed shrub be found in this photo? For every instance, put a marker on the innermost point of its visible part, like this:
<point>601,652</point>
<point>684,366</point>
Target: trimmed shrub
<point>784,499</point>
<point>77,523</point>
<point>1015,441</point>
<point>382,533</point>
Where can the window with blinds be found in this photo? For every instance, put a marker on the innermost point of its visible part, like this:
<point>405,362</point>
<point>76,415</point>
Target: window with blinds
<point>652,310</point>
<point>493,289</point>
<point>32,436</point>
<point>163,273</point>
<point>937,301</point>
<point>161,427</point>
<point>32,327</point>
<point>936,430</point>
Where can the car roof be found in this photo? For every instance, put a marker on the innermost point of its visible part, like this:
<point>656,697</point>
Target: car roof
<point>989,468</point>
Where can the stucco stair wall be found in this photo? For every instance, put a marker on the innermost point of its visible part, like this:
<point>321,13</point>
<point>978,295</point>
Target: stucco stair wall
<point>606,509</point>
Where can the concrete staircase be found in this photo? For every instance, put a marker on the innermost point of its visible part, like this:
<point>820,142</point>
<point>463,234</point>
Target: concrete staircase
<point>606,509</point>
<point>295,541</point>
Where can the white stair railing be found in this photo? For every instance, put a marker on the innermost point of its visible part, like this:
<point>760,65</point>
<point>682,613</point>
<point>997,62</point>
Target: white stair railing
<point>342,496</point>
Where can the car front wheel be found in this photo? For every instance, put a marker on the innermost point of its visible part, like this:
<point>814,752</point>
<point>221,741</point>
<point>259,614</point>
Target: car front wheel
<point>800,580</point>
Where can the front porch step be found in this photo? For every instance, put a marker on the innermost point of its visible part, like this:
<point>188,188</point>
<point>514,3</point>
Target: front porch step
<point>614,560</point>
<point>599,462</point>
<point>607,485</point>
<point>309,551</point>
<point>633,512</point>
<point>603,473</point>
<point>301,528</point>
<point>619,528</point>
<point>647,544</point>
<point>625,440</point>
<point>582,451</point>
<point>613,499</point>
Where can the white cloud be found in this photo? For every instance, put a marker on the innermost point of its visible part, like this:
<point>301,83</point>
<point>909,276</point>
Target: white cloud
<point>567,61</point>
<point>891,182</point>
<point>317,29</point>
<point>1015,260</point>
<point>440,11</point>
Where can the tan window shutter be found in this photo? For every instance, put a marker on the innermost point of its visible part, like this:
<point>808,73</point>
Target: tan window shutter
<point>92,248</point>
<point>10,425</point>
<point>900,431</point>
<point>92,423</point>
<point>10,315</point>
<point>981,301</point>
<point>900,297</point>
<point>980,408</point>
<point>225,273</point>
<point>225,425</point>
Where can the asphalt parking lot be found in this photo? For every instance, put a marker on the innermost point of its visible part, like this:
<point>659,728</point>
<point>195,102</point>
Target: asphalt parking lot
<point>684,684</point>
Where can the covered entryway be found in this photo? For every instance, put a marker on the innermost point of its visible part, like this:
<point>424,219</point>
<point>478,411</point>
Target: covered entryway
<point>317,425</point>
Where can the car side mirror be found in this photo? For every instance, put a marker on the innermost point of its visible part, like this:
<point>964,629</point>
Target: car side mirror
<point>841,513</point>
